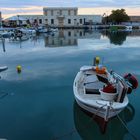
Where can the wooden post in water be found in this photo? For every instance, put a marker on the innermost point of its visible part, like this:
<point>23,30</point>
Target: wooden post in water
<point>3,44</point>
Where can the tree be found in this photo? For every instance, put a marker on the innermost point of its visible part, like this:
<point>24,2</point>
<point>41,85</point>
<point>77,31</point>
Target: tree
<point>118,16</point>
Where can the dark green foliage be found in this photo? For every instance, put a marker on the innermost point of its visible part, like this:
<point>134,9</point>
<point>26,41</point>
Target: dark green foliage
<point>118,16</point>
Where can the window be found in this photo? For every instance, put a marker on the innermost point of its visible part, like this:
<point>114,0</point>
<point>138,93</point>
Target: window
<point>35,20</point>
<point>69,21</point>
<point>51,12</point>
<point>84,20</point>
<point>20,22</point>
<point>52,41</point>
<point>52,21</point>
<point>40,21</point>
<point>81,21</point>
<point>61,42</point>
<point>69,12</point>
<point>45,12</point>
<point>75,12</point>
<point>69,42</point>
<point>75,21</point>
<point>60,12</point>
<point>80,33</point>
<point>75,41</point>
<point>69,33</point>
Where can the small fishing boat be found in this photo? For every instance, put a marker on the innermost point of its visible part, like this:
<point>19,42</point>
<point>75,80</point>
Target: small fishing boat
<point>54,29</point>
<point>101,92</point>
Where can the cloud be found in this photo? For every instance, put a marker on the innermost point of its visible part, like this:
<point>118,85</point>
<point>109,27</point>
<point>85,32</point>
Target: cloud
<point>108,3</point>
<point>29,10</point>
<point>15,7</point>
<point>107,10</point>
<point>79,3</point>
<point>19,3</point>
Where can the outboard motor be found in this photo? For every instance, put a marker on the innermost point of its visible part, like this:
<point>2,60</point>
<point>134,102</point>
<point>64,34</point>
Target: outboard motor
<point>132,80</point>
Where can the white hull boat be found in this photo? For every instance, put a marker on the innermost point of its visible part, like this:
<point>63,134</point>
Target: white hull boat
<point>3,68</point>
<point>88,91</point>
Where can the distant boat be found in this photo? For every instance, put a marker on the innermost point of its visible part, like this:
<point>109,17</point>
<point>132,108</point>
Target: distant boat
<point>101,92</point>
<point>54,29</point>
<point>128,28</point>
<point>42,30</point>
<point>3,68</point>
<point>18,39</point>
<point>6,34</point>
<point>28,31</point>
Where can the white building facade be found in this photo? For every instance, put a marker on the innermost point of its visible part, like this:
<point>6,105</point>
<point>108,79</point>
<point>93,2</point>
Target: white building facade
<point>67,17</point>
<point>62,17</point>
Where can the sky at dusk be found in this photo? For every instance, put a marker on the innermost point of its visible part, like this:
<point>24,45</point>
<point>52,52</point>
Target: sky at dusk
<point>18,7</point>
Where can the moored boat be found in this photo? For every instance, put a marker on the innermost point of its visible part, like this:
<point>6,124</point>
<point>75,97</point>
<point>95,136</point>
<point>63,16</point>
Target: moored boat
<point>3,68</point>
<point>101,92</point>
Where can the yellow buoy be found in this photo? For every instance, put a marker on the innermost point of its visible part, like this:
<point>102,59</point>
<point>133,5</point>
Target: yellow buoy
<point>19,68</point>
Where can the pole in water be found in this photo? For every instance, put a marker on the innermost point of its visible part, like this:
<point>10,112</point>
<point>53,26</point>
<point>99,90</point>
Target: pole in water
<point>3,44</point>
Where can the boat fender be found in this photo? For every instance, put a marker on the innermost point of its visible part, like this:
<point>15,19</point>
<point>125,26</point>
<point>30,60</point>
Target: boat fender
<point>132,80</point>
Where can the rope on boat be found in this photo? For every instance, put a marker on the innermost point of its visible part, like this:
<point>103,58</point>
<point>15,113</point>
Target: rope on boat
<point>133,136</point>
<point>74,130</point>
<point>98,110</point>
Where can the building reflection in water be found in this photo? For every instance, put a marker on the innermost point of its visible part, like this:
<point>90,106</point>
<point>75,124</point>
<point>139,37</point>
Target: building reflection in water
<point>89,128</point>
<point>69,37</point>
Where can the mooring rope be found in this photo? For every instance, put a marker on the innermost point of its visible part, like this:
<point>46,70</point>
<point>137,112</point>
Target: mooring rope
<point>98,110</point>
<point>134,137</point>
<point>74,130</point>
<point>3,94</point>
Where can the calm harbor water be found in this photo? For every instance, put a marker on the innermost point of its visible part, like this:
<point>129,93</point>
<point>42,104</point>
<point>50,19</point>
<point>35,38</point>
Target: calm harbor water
<point>38,103</point>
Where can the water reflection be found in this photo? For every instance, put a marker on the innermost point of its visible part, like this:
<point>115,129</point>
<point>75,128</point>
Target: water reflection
<point>89,129</point>
<point>3,45</point>
<point>118,38</point>
<point>69,37</point>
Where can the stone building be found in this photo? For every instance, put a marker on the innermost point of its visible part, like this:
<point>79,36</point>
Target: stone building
<point>61,17</point>
<point>67,17</point>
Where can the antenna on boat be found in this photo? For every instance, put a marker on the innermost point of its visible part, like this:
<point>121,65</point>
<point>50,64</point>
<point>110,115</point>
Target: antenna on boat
<point>102,60</point>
